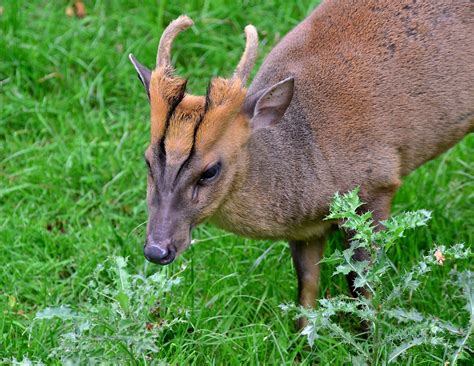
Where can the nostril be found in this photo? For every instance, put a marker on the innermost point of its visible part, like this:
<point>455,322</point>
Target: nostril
<point>154,253</point>
<point>170,257</point>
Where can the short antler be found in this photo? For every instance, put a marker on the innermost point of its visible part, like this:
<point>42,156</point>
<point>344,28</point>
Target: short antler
<point>163,57</point>
<point>249,56</point>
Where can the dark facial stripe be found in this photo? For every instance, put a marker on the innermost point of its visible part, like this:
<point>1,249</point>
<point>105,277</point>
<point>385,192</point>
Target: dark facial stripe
<point>208,97</point>
<point>193,148</point>
<point>196,128</point>
<point>161,151</point>
<point>206,109</point>
<point>173,103</point>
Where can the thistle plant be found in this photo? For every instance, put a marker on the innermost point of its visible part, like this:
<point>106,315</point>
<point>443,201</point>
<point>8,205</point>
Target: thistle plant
<point>394,326</point>
<point>121,320</point>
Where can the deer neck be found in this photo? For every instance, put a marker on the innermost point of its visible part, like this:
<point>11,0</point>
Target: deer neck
<point>276,188</point>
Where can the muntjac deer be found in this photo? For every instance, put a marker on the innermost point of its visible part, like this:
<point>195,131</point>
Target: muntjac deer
<point>358,94</point>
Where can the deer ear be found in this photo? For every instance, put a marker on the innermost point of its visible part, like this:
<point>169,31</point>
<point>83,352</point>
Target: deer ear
<point>267,107</point>
<point>143,73</point>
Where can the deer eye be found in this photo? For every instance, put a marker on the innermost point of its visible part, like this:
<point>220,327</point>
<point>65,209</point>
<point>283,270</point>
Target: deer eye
<point>210,173</point>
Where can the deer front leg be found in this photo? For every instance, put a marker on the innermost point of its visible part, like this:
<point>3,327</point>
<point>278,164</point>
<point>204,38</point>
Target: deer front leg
<point>306,256</point>
<point>380,206</point>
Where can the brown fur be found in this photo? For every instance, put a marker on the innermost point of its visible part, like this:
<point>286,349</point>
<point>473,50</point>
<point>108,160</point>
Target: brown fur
<point>378,100</point>
<point>380,88</point>
<point>164,88</point>
<point>180,134</point>
<point>225,102</point>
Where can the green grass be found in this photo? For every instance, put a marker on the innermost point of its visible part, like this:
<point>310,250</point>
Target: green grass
<point>73,128</point>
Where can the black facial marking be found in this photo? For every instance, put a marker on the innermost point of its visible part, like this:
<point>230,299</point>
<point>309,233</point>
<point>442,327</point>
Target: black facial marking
<point>196,128</point>
<point>160,160</point>
<point>159,149</point>
<point>161,153</point>
<point>173,103</point>
<point>193,147</point>
<point>208,97</point>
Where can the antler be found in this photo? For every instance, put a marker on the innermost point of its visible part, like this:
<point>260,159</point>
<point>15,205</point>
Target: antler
<point>163,57</point>
<point>249,56</point>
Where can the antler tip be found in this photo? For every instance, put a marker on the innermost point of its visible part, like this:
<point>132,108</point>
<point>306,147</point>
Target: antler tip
<point>249,56</point>
<point>183,22</point>
<point>178,25</point>
<point>250,29</point>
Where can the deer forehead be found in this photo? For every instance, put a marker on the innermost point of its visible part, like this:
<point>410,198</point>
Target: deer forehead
<point>187,123</point>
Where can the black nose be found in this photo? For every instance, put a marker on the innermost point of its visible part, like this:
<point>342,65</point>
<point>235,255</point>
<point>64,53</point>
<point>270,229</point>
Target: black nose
<point>157,254</point>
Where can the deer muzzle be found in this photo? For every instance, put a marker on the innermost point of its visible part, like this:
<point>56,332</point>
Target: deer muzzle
<point>160,252</point>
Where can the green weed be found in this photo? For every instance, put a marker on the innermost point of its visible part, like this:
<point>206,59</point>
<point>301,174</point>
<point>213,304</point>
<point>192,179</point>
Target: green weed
<point>393,326</point>
<point>121,322</point>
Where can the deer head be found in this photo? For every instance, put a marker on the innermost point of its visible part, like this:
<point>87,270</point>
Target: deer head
<point>197,149</point>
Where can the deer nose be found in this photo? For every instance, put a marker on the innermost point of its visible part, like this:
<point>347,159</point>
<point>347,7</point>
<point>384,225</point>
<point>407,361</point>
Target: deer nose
<point>160,253</point>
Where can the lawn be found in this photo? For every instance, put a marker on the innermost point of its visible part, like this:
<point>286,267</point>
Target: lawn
<point>73,128</point>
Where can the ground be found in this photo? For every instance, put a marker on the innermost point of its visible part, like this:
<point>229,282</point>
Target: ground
<point>73,128</point>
